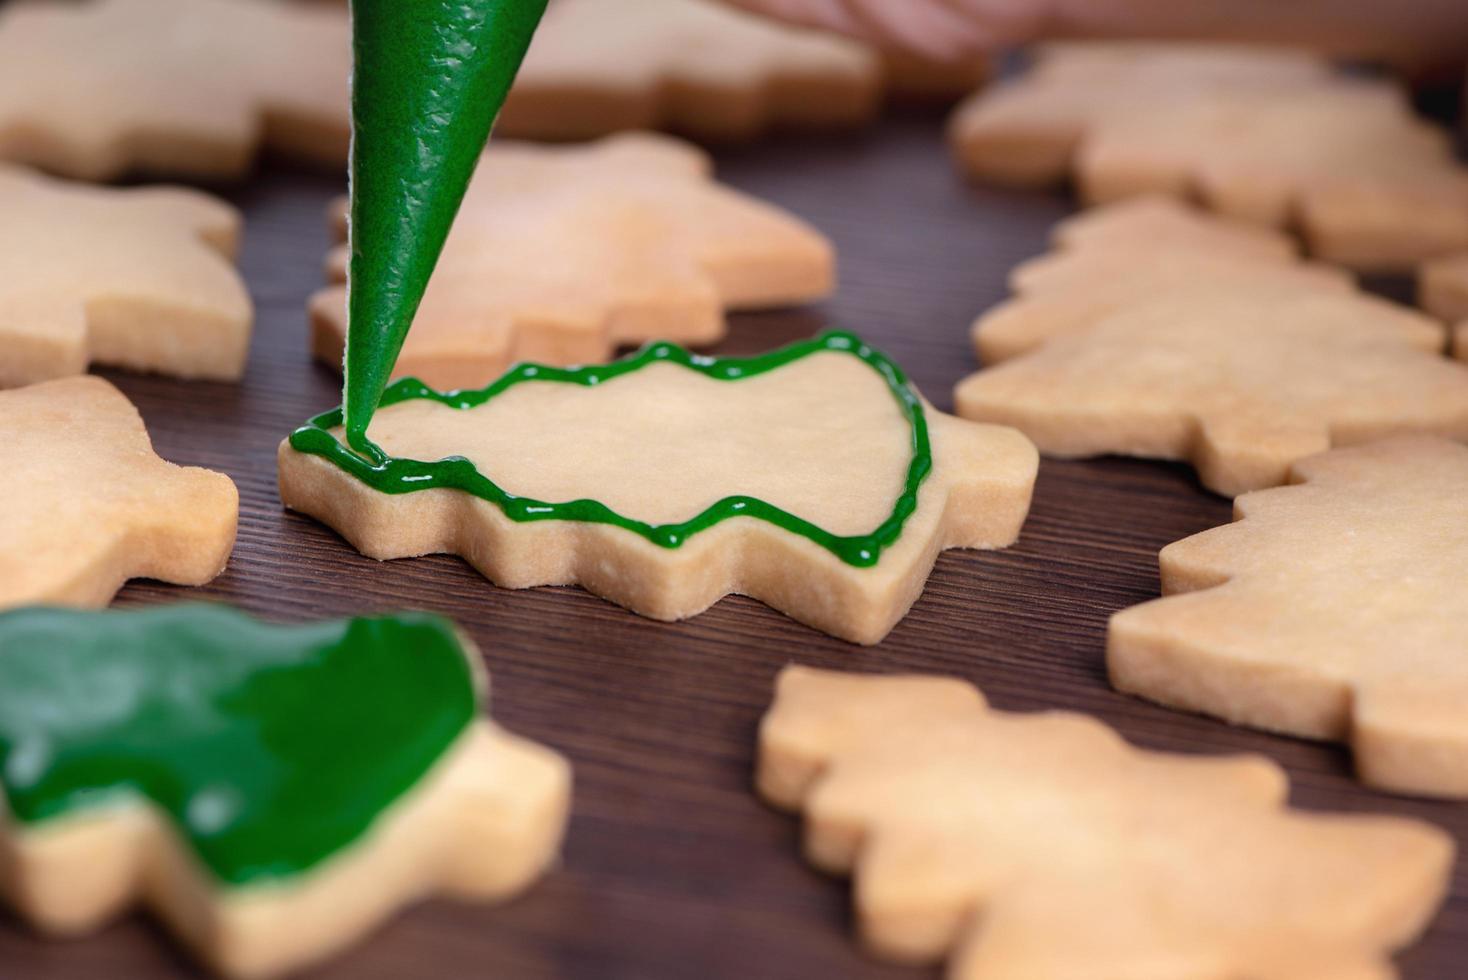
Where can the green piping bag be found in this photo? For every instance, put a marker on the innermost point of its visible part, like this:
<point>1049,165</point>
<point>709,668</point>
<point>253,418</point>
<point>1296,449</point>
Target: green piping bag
<point>430,78</point>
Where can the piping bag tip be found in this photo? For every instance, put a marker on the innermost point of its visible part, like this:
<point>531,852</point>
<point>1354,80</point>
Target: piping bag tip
<point>430,77</point>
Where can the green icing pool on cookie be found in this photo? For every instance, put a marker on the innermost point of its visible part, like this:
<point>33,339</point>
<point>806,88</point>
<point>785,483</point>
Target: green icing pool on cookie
<point>397,475</point>
<point>269,748</point>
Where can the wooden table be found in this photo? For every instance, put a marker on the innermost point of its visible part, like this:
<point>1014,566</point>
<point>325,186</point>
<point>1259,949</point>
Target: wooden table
<point>672,868</point>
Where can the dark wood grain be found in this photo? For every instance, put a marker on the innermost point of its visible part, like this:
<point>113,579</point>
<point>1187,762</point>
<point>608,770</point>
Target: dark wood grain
<point>672,868</point>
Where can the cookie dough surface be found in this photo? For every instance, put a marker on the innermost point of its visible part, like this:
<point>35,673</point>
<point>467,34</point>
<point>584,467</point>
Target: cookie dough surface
<point>666,446</point>
<point>87,504</point>
<point>694,66</point>
<point>1333,608</point>
<point>99,89</point>
<point>979,837</point>
<point>140,279</point>
<point>823,437</point>
<point>561,254</point>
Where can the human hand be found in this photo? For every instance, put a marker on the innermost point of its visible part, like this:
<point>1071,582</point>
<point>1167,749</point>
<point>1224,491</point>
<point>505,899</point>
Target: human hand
<point>1414,33</point>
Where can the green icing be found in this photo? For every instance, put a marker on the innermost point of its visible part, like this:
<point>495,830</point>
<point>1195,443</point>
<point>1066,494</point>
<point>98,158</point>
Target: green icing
<point>399,475</point>
<point>269,748</point>
<point>430,78</point>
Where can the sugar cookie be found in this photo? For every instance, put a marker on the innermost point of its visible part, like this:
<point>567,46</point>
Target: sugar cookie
<point>1272,137</point>
<point>1119,255</point>
<point>1028,131</point>
<point>813,478</point>
<point>1331,609</point>
<point>1043,846</point>
<point>562,254</point>
<point>695,66</point>
<point>1372,187</point>
<point>185,758</point>
<point>102,88</point>
<point>87,505</point>
<point>1152,223</point>
<point>1239,382</point>
<point>139,279</point>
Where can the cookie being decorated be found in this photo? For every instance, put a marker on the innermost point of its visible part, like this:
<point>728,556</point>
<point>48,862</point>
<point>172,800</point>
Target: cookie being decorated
<point>140,279</point>
<point>1331,609</point>
<point>1273,137</point>
<point>87,504</point>
<point>694,66</point>
<point>1044,846</point>
<point>814,478</point>
<point>562,254</point>
<point>98,89</point>
<point>1124,254</point>
<point>1241,383</point>
<point>272,793</point>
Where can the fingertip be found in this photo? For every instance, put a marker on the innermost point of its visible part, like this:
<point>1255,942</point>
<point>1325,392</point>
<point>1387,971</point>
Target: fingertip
<point>926,27</point>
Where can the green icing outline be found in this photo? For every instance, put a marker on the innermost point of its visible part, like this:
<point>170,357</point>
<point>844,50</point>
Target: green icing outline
<point>398,475</point>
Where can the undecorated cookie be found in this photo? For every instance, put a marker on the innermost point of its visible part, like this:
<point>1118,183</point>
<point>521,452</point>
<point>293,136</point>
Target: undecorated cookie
<point>1369,184</point>
<point>562,254</point>
<point>87,505</point>
<point>695,66</point>
<point>1442,286</point>
<point>1239,382</point>
<point>1269,137</point>
<point>101,88</point>
<point>1153,223</point>
<point>813,478</point>
<point>1042,846</point>
<point>272,793</point>
<point>1028,131</point>
<point>1331,609</point>
<point>1119,255</point>
<point>140,279</point>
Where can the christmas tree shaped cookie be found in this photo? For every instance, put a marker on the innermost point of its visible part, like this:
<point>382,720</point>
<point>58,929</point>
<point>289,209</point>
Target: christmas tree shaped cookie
<point>1043,846</point>
<point>101,88</point>
<point>1332,609</point>
<point>561,254</point>
<point>130,278</point>
<point>1368,183</point>
<point>1274,137</point>
<point>1123,254</point>
<point>1239,382</point>
<point>1028,131</point>
<point>813,478</point>
<point>270,792</point>
<point>87,504</point>
<point>695,66</point>
<point>1157,223</point>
